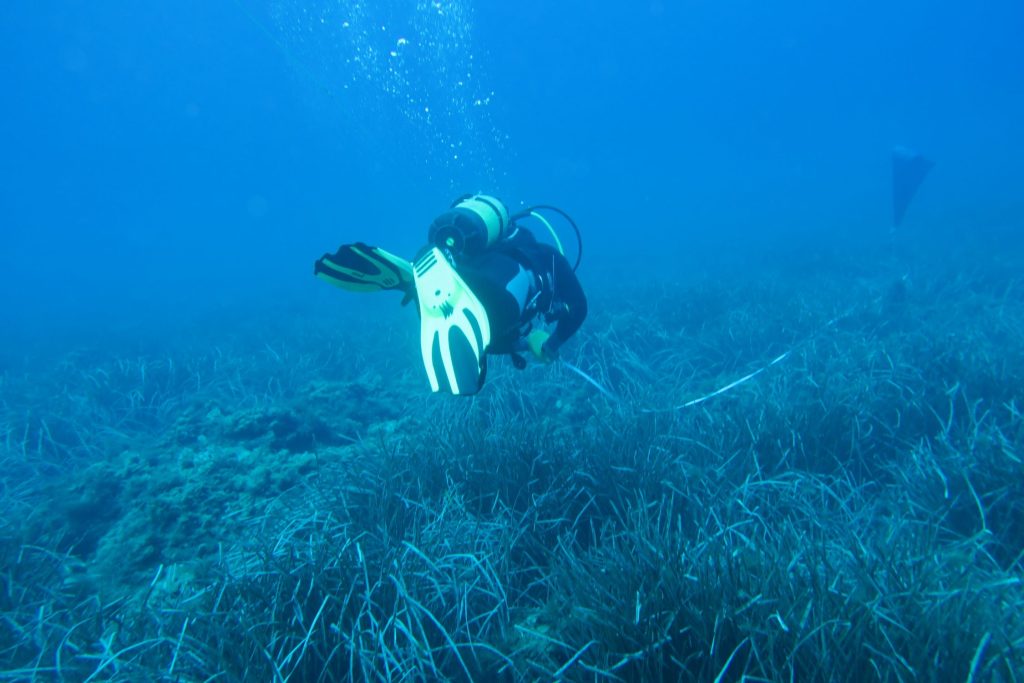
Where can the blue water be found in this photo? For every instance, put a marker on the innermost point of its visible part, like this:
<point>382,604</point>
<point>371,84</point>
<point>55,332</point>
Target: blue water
<point>161,160</point>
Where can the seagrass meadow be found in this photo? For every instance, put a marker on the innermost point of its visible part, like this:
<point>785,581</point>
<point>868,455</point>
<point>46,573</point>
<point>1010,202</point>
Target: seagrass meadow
<point>276,500</point>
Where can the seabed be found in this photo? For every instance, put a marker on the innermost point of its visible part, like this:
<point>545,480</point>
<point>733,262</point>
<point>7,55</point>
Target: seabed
<point>283,502</point>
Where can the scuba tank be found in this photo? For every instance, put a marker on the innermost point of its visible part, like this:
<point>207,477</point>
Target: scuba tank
<point>472,224</point>
<point>476,222</point>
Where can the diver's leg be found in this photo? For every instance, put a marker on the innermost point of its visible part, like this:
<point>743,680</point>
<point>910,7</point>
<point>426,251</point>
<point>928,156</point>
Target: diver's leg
<point>503,286</point>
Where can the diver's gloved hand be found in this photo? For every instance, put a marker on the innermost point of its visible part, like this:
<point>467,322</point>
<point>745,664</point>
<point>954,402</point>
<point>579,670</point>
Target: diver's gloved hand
<point>550,352</point>
<point>539,345</point>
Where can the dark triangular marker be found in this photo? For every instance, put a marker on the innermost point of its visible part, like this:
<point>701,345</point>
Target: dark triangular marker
<point>908,172</point>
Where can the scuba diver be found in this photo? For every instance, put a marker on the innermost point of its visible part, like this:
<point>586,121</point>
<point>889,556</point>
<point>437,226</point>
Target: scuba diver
<point>483,284</point>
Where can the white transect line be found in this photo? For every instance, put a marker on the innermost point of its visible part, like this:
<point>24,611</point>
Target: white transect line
<point>591,380</point>
<point>775,361</point>
<point>732,385</point>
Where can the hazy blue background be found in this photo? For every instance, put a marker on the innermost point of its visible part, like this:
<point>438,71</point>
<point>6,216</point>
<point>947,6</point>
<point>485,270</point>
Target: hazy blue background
<point>164,161</point>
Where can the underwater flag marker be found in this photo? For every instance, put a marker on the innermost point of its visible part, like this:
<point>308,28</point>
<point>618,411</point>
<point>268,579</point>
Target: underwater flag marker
<point>908,172</point>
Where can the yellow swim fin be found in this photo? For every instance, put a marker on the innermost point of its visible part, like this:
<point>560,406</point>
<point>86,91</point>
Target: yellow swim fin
<point>361,268</point>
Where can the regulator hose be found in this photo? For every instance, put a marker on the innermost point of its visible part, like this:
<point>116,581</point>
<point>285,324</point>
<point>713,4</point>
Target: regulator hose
<point>548,207</point>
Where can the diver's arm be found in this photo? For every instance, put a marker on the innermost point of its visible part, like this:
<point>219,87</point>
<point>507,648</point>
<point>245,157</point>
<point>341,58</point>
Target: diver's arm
<point>569,292</point>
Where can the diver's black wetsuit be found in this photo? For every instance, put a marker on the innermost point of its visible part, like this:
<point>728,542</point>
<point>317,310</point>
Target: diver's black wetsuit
<point>517,280</point>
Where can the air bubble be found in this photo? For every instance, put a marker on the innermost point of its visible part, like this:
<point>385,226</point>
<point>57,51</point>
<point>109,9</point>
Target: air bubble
<point>418,69</point>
